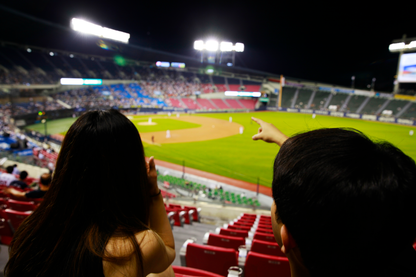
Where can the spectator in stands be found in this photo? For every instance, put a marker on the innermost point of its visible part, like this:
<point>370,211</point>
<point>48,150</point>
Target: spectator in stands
<point>95,221</point>
<point>7,177</point>
<point>16,171</point>
<point>44,183</point>
<point>21,182</point>
<point>343,204</point>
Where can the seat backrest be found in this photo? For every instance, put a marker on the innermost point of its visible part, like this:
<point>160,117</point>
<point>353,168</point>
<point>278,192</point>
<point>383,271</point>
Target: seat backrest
<point>211,258</point>
<point>237,223</point>
<point>264,226</point>
<point>247,222</point>
<point>266,265</point>
<point>6,232</point>
<point>188,271</point>
<point>265,247</point>
<point>264,237</point>
<point>22,206</point>
<point>235,233</point>
<point>237,227</point>
<point>267,231</point>
<point>225,241</point>
<point>174,206</point>
<point>16,217</point>
<point>4,203</point>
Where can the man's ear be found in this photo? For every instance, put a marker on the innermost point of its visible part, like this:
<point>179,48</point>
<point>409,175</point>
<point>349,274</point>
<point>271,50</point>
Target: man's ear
<point>288,243</point>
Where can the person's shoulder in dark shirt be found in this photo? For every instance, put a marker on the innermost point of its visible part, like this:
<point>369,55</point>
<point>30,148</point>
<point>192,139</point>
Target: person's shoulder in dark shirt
<point>35,194</point>
<point>19,184</point>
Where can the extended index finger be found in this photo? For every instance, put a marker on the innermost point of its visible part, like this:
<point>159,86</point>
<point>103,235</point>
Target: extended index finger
<point>258,121</point>
<point>152,163</point>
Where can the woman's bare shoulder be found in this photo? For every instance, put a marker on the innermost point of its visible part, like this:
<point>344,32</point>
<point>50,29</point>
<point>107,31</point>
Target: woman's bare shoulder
<point>122,249</point>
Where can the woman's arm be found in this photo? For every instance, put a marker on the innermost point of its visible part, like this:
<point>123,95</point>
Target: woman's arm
<point>269,133</point>
<point>161,241</point>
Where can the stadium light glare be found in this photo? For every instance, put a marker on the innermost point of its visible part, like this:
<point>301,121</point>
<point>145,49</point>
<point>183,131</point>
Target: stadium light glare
<point>97,30</point>
<point>199,45</point>
<point>399,46</point>
<point>226,46</point>
<point>211,45</point>
<point>239,47</point>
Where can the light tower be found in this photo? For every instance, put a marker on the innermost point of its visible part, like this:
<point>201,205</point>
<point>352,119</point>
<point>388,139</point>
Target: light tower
<point>401,46</point>
<point>216,52</point>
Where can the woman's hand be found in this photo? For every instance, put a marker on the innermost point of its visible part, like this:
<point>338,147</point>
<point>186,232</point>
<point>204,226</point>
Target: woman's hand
<point>269,133</point>
<point>152,176</point>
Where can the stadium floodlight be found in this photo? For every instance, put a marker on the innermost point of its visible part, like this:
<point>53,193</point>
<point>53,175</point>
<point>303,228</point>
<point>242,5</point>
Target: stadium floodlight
<point>226,46</point>
<point>214,52</point>
<point>211,45</point>
<point>199,45</point>
<point>97,30</point>
<point>397,47</point>
<point>239,47</point>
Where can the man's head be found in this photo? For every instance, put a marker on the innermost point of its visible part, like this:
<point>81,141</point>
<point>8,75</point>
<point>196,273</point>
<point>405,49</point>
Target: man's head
<point>346,201</point>
<point>23,175</point>
<point>45,179</point>
<point>9,169</point>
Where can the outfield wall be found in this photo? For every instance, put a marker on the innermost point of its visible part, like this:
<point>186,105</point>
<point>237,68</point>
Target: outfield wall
<point>371,117</point>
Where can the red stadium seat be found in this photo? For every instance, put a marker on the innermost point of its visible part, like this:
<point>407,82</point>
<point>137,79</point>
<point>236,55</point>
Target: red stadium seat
<point>4,203</point>
<point>211,258</point>
<point>267,231</point>
<point>264,237</point>
<point>225,241</point>
<point>263,226</point>
<point>195,215</point>
<point>265,247</point>
<point>174,206</point>
<point>188,271</point>
<point>6,232</point>
<point>21,206</point>
<point>246,221</point>
<point>16,217</point>
<point>235,233</point>
<point>187,214</point>
<point>237,227</point>
<point>237,223</point>
<point>176,216</point>
<point>249,215</point>
<point>266,265</point>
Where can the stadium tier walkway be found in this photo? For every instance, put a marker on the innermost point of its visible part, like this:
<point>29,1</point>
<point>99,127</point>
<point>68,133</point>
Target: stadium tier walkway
<point>222,179</point>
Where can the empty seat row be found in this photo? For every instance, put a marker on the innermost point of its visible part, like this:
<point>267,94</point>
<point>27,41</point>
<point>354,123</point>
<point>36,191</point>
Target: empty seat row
<point>219,259</point>
<point>17,205</point>
<point>10,220</point>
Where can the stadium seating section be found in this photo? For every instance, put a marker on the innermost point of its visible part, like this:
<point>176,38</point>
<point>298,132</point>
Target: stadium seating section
<point>223,250</point>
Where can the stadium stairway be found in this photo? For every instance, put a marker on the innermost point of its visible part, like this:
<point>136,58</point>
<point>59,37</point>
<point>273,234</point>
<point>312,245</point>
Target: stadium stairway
<point>181,234</point>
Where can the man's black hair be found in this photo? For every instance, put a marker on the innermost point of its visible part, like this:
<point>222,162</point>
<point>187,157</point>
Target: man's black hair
<point>348,202</point>
<point>23,175</point>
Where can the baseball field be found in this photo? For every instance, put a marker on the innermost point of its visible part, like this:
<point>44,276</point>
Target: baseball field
<point>221,143</point>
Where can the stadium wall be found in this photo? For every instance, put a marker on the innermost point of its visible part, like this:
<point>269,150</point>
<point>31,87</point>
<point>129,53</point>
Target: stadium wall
<point>370,117</point>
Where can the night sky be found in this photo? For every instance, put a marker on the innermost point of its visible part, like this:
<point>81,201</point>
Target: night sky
<point>306,40</point>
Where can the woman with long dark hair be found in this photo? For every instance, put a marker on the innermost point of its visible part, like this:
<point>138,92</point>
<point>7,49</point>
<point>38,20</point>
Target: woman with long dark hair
<point>103,214</point>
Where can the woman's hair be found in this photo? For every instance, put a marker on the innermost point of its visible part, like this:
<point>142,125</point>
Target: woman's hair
<point>99,190</point>
<point>348,202</point>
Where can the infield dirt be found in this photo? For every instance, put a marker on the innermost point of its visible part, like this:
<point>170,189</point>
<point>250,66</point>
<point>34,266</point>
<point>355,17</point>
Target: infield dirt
<point>211,128</point>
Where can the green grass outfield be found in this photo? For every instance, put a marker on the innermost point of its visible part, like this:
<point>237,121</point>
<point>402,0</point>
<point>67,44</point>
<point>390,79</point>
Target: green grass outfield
<point>239,156</point>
